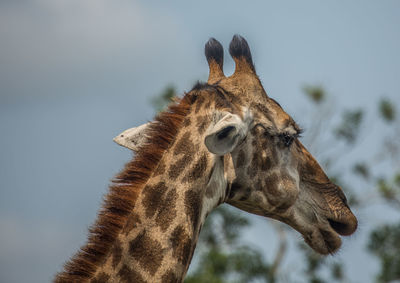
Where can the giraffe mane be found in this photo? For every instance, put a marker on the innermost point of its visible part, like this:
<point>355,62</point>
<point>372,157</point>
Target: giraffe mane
<point>125,188</point>
<point>123,192</point>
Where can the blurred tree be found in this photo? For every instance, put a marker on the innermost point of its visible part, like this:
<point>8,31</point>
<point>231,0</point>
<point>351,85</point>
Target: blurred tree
<point>167,95</point>
<point>221,258</point>
<point>384,241</point>
<point>350,125</point>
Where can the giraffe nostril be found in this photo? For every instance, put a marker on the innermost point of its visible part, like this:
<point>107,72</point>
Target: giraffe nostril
<point>344,228</point>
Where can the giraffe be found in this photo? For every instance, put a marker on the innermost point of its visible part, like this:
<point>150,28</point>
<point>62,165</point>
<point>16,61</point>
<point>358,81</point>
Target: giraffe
<point>225,141</point>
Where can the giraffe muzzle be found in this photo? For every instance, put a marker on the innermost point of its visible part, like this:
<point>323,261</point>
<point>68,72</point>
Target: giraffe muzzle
<point>346,226</point>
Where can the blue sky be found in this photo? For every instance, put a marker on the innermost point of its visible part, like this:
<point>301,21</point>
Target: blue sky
<point>73,74</point>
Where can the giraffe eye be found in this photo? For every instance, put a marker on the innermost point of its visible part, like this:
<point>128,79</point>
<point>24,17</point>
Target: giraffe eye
<point>266,134</point>
<point>286,139</point>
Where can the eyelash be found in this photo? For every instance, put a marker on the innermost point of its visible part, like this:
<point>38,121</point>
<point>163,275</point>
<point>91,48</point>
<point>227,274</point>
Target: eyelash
<point>286,138</point>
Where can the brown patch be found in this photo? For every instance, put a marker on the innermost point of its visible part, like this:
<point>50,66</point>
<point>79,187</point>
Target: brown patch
<point>247,193</point>
<point>258,185</point>
<point>222,100</point>
<point>262,109</point>
<point>254,165</point>
<point>179,166</point>
<point>167,212</point>
<point>271,187</point>
<point>265,144</point>
<point>184,144</point>
<point>101,278</point>
<point>153,197</point>
<point>123,194</point>
<point>198,170</point>
<point>309,169</point>
<point>240,159</point>
<point>274,156</point>
<point>266,164</point>
<point>259,163</point>
<point>170,277</point>
<point>234,99</point>
<point>116,253</point>
<point>147,252</point>
<point>132,223</point>
<point>128,275</point>
<point>199,103</point>
<point>160,169</point>
<point>193,203</point>
<point>186,147</point>
<point>186,122</point>
<point>255,131</point>
<point>208,104</point>
<point>235,188</point>
<point>202,122</point>
<point>181,244</point>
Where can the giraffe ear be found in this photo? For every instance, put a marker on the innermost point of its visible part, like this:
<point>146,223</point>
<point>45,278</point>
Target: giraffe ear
<point>226,134</point>
<point>132,138</point>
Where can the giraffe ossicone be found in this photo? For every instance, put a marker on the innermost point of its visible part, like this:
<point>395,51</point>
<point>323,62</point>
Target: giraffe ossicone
<point>225,141</point>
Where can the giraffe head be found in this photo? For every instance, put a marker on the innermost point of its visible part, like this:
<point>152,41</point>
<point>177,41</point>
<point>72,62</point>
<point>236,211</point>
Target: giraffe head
<point>273,173</point>
<point>267,170</point>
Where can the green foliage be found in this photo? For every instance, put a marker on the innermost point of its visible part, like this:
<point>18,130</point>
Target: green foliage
<point>315,263</point>
<point>384,243</point>
<point>160,102</point>
<point>396,180</point>
<point>390,189</point>
<point>349,128</point>
<point>361,169</point>
<point>385,189</point>
<point>315,93</point>
<point>228,221</point>
<point>244,264</point>
<point>221,256</point>
<point>337,271</point>
<point>387,110</point>
<point>384,240</point>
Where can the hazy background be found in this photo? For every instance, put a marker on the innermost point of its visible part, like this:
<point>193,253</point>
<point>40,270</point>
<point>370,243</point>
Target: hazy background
<point>73,74</point>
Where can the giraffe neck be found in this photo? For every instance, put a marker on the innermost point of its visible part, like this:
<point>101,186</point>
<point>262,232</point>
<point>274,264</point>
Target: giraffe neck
<point>159,238</point>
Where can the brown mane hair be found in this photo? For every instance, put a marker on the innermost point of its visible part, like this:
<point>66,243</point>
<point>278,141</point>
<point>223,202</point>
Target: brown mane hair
<point>124,190</point>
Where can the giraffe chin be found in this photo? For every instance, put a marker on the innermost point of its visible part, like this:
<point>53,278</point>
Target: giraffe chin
<point>323,240</point>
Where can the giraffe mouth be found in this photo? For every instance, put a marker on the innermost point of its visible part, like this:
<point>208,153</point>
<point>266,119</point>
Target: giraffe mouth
<point>323,240</point>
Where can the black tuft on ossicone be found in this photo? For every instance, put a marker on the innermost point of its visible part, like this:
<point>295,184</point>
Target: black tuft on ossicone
<point>214,51</point>
<point>239,48</point>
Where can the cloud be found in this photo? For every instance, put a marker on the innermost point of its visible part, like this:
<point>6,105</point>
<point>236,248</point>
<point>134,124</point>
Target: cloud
<point>47,40</point>
<point>37,248</point>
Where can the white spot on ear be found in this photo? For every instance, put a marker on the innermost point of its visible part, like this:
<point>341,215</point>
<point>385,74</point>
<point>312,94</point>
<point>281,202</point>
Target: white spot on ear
<point>132,138</point>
